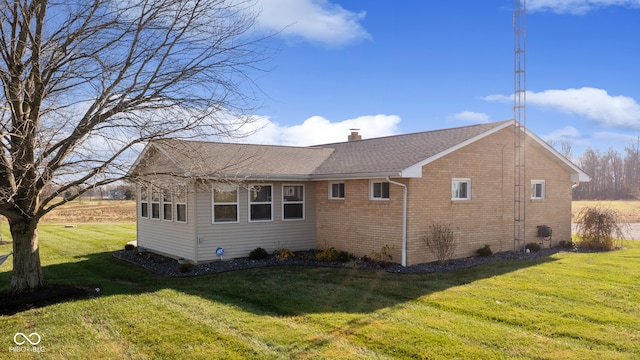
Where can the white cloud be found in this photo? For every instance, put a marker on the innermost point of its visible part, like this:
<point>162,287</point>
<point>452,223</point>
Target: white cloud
<point>576,7</point>
<point>596,104</point>
<point>318,130</point>
<point>313,20</point>
<point>470,116</point>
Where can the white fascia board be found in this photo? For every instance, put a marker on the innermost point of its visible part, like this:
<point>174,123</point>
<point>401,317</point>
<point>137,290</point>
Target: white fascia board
<point>577,175</point>
<point>356,176</point>
<point>415,171</point>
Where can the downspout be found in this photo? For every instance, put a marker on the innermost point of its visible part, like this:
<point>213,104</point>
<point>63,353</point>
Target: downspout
<point>404,219</point>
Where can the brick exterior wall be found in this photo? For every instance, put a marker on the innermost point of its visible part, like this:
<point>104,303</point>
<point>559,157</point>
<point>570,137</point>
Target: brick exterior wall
<point>361,226</point>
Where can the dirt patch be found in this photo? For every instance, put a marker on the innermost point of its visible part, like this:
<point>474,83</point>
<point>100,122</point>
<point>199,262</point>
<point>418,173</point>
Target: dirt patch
<point>13,304</point>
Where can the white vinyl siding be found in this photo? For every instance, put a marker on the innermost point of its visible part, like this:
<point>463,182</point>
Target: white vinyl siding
<point>238,239</point>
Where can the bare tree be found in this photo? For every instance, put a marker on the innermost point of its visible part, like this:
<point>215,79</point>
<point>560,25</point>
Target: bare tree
<point>86,82</point>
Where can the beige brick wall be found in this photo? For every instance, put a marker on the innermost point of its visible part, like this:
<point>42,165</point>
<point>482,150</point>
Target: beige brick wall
<point>359,225</point>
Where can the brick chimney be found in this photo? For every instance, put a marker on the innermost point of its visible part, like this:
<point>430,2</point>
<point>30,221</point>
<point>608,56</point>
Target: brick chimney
<point>354,135</point>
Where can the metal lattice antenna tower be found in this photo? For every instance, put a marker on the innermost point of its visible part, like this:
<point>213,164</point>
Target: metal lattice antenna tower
<point>520,119</point>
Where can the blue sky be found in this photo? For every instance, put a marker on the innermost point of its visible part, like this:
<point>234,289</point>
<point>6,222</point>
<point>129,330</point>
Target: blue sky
<point>389,67</point>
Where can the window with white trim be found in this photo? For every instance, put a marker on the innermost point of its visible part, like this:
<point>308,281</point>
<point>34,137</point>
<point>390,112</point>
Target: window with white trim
<point>537,189</point>
<point>167,204</point>
<point>144,201</point>
<point>260,203</point>
<point>336,190</point>
<point>379,190</point>
<point>460,189</point>
<point>155,203</point>
<point>292,202</point>
<point>180,197</point>
<point>225,203</point>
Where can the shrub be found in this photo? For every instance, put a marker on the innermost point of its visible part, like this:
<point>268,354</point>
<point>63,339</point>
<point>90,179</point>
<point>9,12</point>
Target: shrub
<point>258,254</point>
<point>383,258</point>
<point>485,251</point>
<point>441,241</point>
<point>328,254</point>
<point>184,266</point>
<point>344,256</point>
<point>283,253</point>
<point>129,247</point>
<point>598,229</point>
<point>532,247</point>
<point>565,244</point>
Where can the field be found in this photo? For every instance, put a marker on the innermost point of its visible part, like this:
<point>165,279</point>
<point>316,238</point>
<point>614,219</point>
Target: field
<point>628,209</point>
<point>96,211</point>
<point>570,305</point>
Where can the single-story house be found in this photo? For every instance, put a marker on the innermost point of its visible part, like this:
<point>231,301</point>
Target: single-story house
<point>358,196</point>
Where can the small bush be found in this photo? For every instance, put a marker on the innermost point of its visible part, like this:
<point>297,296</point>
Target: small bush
<point>283,254</point>
<point>185,266</point>
<point>441,241</point>
<point>383,256</point>
<point>328,254</point>
<point>129,247</point>
<point>565,244</point>
<point>345,257</point>
<point>532,247</point>
<point>258,254</point>
<point>485,251</point>
<point>598,229</point>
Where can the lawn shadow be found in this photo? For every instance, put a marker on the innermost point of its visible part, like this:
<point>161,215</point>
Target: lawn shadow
<point>280,290</point>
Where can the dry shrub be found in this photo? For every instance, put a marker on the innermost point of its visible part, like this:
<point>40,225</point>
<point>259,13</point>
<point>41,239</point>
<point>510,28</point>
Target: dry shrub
<point>599,229</point>
<point>441,241</point>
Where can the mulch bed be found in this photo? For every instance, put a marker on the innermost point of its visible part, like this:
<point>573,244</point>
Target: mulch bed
<point>13,304</point>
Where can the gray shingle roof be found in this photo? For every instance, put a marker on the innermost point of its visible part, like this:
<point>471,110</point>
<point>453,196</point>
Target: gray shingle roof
<point>214,159</point>
<point>392,154</point>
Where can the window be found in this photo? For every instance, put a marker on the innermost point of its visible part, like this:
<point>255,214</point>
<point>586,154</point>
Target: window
<point>292,202</point>
<point>167,204</point>
<point>155,203</point>
<point>180,197</point>
<point>336,190</point>
<point>144,201</point>
<point>537,189</point>
<point>461,189</point>
<point>225,203</point>
<point>260,203</point>
<point>379,190</point>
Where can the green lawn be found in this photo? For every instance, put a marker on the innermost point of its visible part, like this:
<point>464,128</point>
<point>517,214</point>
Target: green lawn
<point>569,306</point>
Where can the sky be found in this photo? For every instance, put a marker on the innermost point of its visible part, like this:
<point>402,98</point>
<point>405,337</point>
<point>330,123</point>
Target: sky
<point>392,67</point>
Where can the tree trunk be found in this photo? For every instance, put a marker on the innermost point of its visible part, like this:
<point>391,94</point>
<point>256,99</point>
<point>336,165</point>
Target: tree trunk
<point>27,272</point>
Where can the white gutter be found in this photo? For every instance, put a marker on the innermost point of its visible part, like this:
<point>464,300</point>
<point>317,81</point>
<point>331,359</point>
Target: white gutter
<point>404,219</point>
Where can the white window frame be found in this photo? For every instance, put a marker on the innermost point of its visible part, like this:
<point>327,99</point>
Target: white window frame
<point>179,203</point>
<point>331,195</point>
<point>372,192</point>
<point>460,181</point>
<point>543,190</point>
<point>163,201</point>
<point>156,195</point>
<point>270,203</point>
<point>144,199</point>
<point>214,203</point>
<point>293,202</point>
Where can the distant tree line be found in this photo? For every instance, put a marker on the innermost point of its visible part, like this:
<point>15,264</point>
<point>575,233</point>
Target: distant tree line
<point>614,175</point>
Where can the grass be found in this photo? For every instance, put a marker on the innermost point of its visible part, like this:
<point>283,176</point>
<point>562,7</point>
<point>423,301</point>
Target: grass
<point>628,209</point>
<point>93,211</point>
<point>571,305</point>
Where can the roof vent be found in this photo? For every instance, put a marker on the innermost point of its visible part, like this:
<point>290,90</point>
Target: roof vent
<point>354,135</point>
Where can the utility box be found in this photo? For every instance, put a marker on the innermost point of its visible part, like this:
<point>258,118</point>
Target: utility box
<point>544,231</point>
